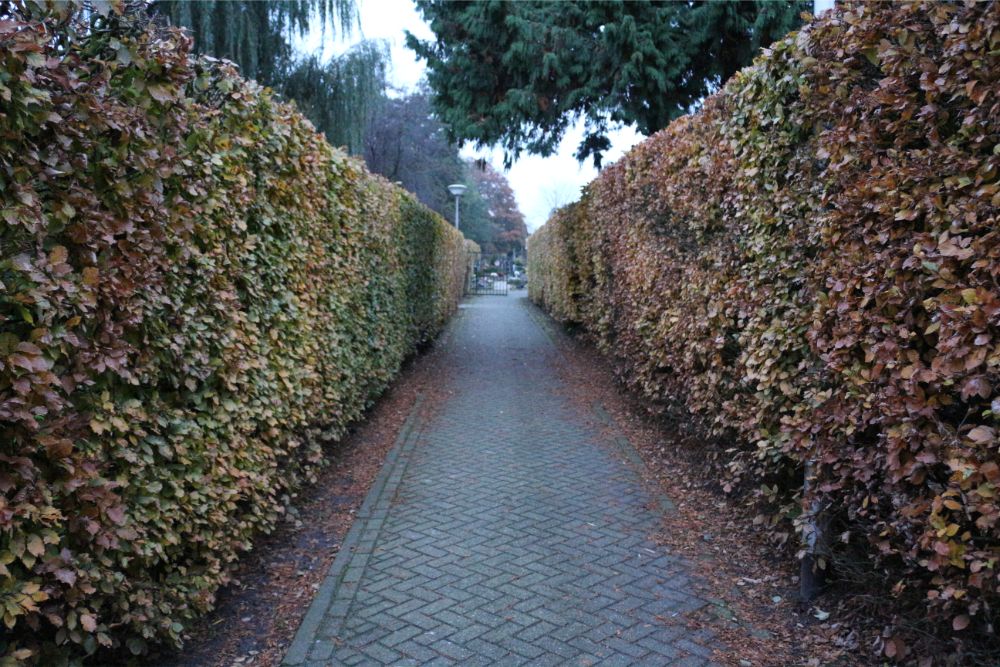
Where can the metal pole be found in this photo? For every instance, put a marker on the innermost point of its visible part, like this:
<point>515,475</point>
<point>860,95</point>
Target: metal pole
<point>815,565</point>
<point>457,197</point>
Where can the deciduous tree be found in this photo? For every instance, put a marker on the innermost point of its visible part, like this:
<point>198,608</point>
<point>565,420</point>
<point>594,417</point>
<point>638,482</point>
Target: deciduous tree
<point>255,34</point>
<point>339,96</point>
<point>509,231</point>
<point>406,142</point>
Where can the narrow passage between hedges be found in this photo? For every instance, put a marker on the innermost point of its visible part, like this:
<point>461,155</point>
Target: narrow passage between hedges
<point>503,528</point>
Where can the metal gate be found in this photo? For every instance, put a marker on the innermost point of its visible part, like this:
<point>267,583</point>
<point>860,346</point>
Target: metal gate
<point>488,274</point>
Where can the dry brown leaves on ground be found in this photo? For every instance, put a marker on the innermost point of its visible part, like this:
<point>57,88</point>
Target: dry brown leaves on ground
<point>751,582</point>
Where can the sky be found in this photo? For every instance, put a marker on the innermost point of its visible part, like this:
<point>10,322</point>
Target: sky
<point>539,184</point>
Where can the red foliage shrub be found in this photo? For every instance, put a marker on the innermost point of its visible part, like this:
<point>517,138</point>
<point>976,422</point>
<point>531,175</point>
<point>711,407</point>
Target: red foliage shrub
<point>809,267</point>
<point>196,291</point>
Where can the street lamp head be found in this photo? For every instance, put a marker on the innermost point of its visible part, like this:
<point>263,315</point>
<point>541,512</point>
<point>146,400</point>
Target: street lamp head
<point>458,190</point>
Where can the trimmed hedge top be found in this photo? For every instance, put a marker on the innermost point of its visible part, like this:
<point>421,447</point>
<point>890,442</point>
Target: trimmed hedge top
<point>197,292</point>
<point>808,267</point>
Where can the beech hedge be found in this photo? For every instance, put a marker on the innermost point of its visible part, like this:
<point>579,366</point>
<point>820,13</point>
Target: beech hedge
<point>807,268</point>
<point>196,293</point>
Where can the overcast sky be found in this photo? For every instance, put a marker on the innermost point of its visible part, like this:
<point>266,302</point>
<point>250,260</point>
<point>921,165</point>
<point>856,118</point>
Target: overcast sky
<point>538,183</point>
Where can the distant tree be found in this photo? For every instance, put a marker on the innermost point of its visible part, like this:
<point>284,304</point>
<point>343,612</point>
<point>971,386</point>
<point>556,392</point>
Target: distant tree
<point>557,194</point>
<point>476,223</point>
<point>406,143</point>
<point>509,231</point>
<point>519,73</point>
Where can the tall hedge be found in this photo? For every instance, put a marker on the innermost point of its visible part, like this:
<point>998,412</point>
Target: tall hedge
<point>196,293</point>
<point>808,268</point>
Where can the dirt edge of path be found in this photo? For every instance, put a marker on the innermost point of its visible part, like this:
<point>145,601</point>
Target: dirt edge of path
<point>754,610</point>
<point>751,584</point>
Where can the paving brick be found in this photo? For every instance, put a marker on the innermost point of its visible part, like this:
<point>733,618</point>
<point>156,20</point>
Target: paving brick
<point>689,661</point>
<point>403,634</point>
<point>553,646</point>
<point>452,650</point>
<point>585,648</point>
<point>536,631</point>
<point>620,646</point>
<point>524,649</point>
<point>486,649</point>
<point>506,528</point>
<point>352,659</point>
<point>692,648</point>
<point>440,661</point>
<point>381,655</point>
<point>617,661</point>
<point>569,631</point>
<point>416,651</point>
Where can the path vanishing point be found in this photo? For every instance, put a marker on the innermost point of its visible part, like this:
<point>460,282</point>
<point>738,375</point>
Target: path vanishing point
<point>502,530</point>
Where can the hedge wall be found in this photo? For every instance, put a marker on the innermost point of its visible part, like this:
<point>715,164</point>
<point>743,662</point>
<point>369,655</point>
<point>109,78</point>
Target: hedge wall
<point>196,292</point>
<point>808,268</point>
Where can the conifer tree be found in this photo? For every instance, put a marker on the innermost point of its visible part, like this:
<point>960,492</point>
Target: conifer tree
<point>519,73</point>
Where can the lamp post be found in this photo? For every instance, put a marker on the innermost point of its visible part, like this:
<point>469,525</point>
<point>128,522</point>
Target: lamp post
<point>458,190</point>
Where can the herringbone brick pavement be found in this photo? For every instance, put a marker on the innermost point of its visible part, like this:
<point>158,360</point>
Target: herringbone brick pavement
<point>503,530</point>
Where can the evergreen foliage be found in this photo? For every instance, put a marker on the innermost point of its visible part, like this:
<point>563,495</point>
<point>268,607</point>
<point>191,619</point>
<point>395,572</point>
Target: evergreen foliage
<point>519,73</point>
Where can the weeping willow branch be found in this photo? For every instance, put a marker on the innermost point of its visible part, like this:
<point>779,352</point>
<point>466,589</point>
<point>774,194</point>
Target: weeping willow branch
<point>256,34</point>
<point>341,97</point>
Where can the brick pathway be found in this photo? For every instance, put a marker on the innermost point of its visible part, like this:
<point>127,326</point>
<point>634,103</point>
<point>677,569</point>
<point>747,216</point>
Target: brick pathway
<point>502,530</point>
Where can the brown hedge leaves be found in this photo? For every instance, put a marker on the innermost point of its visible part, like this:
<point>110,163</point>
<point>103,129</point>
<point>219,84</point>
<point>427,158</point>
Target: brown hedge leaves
<point>808,267</point>
<point>196,292</point>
